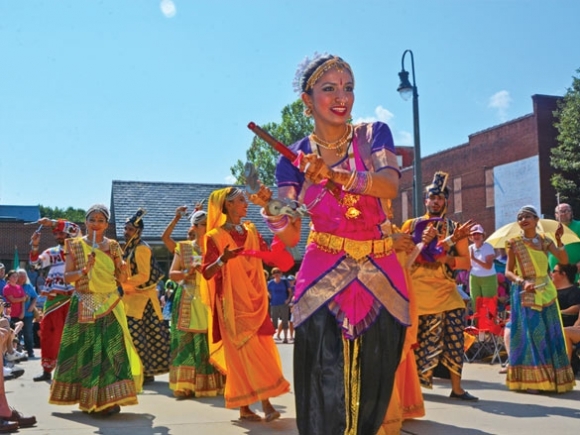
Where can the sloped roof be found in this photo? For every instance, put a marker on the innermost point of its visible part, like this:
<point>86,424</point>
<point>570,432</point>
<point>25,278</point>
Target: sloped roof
<point>160,199</point>
<point>26,213</point>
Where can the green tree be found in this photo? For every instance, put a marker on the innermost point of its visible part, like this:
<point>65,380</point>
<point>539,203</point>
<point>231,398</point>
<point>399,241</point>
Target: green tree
<point>294,126</point>
<point>70,214</point>
<point>565,157</point>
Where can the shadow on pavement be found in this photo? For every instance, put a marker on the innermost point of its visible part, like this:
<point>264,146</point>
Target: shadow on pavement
<point>286,426</point>
<point>513,409</point>
<point>411,427</point>
<point>116,424</point>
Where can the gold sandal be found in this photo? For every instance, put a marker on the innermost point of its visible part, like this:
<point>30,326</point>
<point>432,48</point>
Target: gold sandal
<point>250,416</point>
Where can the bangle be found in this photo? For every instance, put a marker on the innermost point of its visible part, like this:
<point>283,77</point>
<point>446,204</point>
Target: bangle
<point>275,224</point>
<point>360,182</point>
<point>35,248</point>
<point>520,281</point>
<point>350,181</point>
<point>449,242</point>
<point>220,262</point>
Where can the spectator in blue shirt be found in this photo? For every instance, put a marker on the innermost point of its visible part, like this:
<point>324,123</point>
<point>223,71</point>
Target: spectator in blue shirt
<point>280,297</point>
<point>29,306</point>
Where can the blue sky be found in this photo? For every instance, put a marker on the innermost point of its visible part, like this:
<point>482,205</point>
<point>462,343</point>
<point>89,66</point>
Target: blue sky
<point>162,90</point>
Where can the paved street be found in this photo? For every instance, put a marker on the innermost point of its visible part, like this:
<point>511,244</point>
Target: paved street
<point>499,412</point>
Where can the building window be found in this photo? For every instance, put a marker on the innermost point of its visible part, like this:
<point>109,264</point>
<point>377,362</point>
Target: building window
<point>457,200</point>
<point>489,193</point>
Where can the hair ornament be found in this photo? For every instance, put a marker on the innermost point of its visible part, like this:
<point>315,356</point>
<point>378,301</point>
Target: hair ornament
<point>301,68</point>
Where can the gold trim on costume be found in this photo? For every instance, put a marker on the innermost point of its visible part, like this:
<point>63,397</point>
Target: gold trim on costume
<point>342,275</point>
<point>357,249</point>
<point>184,319</point>
<point>352,377</point>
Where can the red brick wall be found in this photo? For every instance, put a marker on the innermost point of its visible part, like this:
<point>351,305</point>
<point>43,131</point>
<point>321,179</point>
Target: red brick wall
<point>521,138</point>
<point>17,234</point>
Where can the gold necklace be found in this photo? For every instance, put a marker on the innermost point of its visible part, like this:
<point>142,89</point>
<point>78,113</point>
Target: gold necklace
<point>339,145</point>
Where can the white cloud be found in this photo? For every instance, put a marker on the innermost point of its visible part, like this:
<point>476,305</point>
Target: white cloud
<point>230,179</point>
<point>168,8</point>
<point>403,138</point>
<point>381,114</point>
<point>500,101</point>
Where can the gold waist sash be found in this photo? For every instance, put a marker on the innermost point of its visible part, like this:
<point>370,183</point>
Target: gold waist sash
<point>357,249</point>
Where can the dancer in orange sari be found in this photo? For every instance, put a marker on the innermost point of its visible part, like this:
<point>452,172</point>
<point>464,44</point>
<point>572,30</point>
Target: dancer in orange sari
<point>239,299</point>
<point>407,398</point>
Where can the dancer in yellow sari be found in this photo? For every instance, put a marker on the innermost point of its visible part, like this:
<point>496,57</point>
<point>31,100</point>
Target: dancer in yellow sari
<point>98,367</point>
<point>537,350</point>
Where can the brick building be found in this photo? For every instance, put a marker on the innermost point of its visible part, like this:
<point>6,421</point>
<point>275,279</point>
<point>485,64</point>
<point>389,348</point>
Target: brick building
<point>499,170</point>
<point>14,235</point>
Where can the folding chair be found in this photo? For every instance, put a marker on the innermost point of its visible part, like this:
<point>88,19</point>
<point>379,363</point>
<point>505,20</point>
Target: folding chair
<point>488,329</point>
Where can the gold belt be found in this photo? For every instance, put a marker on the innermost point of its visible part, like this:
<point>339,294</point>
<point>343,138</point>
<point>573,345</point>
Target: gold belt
<point>357,249</point>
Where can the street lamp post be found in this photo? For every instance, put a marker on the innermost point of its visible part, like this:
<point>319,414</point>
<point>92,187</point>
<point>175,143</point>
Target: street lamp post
<point>406,89</point>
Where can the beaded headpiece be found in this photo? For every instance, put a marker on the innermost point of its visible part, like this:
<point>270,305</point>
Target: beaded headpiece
<point>439,185</point>
<point>233,192</point>
<point>528,209</point>
<point>198,217</point>
<point>100,208</point>
<point>304,82</point>
<point>137,219</point>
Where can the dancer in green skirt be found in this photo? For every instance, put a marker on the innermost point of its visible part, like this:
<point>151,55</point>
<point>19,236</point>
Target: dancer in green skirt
<point>98,366</point>
<point>191,373</point>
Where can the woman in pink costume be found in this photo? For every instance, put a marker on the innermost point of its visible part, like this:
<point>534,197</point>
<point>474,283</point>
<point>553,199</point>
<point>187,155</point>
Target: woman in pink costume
<point>351,304</point>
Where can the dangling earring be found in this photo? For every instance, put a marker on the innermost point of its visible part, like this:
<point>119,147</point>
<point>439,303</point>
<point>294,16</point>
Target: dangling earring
<point>308,111</point>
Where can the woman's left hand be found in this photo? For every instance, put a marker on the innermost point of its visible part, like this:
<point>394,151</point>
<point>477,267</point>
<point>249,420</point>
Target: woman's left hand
<point>91,259</point>
<point>402,242</point>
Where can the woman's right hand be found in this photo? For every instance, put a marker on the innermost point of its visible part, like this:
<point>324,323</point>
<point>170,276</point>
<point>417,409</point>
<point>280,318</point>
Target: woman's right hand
<point>180,211</point>
<point>314,168</point>
<point>529,286</point>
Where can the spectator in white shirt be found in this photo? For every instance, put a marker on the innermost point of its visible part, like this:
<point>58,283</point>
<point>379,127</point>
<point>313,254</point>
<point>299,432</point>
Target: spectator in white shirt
<point>482,277</point>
